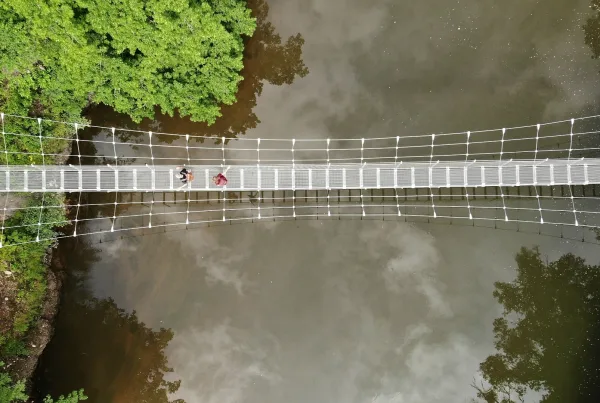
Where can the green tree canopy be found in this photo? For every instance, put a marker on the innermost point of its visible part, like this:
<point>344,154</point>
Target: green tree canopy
<point>10,392</point>
<point>268,58</point>
<point>15,392</point>
<point>58,56</point>
<point>548,336</point>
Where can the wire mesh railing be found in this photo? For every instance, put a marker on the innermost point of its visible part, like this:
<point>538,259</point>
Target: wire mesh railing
<point>413,171</point>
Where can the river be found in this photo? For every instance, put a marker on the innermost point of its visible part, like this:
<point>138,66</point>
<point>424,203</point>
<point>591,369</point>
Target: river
<point>328,311</point>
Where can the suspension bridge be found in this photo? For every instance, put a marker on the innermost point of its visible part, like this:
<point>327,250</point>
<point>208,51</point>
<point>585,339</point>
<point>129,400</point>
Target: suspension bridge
<point>542,174</point>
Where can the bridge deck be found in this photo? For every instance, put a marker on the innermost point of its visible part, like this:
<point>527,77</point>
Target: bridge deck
<point>413,175</point>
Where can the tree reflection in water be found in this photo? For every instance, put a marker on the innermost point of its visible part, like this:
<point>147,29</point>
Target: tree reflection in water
<point>548,338</point>
<point>99,347</point>
<point>591,30</point>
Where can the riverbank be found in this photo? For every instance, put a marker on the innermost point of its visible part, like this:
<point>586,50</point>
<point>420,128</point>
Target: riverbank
<point>29,289</point>
<point>21,367</point>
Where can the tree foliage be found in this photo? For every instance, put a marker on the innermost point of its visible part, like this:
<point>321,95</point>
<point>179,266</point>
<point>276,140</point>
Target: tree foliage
<point>61,55</point>
<point>548,336</point>
<point>37,220</point>
<point>10,392</point>
<point>73,397</point>
<point>268,58</point>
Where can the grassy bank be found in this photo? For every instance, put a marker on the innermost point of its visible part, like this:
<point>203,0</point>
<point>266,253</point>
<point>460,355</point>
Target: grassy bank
<point>23,267</point>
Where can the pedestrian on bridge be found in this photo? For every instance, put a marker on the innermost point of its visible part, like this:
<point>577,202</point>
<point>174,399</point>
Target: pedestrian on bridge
<point>220,179</point>
<point>185,175</point>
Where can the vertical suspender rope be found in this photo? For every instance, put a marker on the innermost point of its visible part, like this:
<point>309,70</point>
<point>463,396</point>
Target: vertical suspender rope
<point>293,179</point>
<point>258,175</point>
<point>222,170</point>
<point>78,173</point>
<point>39,121</point>
<point>152,179</point>
<point>187,150</point>
<point>500,176</point>
<point>328,181</point>
<point>396,178</point>
<point>7,184</point>
<point>535,165</point>
<point>569,177</point>
<point>431,175</point>
<point>116,171</point>
<point>361,176</point>
<point>466,177</point>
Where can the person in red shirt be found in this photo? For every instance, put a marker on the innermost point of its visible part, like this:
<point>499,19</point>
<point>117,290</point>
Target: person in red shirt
<point>220,180</point>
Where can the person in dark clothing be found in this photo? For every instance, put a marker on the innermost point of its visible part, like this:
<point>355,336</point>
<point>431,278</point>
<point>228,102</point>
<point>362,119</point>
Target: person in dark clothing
<point>184,175</point>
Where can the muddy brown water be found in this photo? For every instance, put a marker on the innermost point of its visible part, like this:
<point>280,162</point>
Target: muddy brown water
<point>328,311</point>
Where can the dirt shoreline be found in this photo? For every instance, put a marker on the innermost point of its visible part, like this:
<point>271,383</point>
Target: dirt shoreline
<point>41,331</point>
